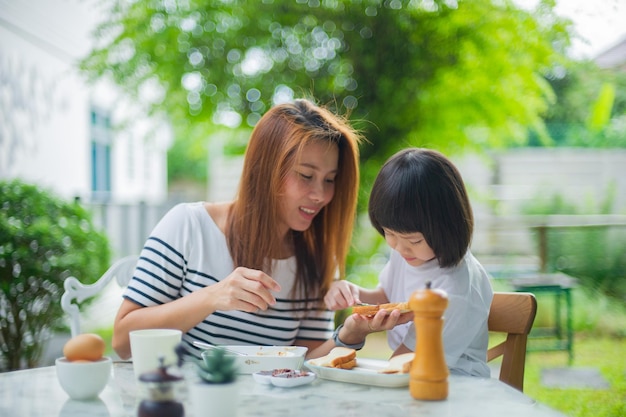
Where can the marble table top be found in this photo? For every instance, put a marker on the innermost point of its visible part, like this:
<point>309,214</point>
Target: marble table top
<point>37,393</point>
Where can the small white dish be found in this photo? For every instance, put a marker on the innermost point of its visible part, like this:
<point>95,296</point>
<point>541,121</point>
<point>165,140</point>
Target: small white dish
<point>263,377</point>
<point>287,381</point>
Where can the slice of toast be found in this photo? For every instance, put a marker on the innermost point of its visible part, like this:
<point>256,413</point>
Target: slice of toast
<point>372,309</point>
<point>400,364</point>
<point>347,365</point>
<point>338,357</point>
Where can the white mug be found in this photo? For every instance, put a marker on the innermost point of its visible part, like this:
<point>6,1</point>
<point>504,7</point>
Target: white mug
<point>148,345</point>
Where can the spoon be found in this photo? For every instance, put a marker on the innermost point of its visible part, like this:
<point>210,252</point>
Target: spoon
<point>210,346</point>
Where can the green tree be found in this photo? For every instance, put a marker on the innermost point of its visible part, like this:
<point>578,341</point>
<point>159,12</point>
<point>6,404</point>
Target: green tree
<point>43,240</point>
<point>450,75</point>
<point>590,107</point>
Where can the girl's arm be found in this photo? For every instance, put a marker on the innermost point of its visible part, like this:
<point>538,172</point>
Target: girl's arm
<point>355,329</point>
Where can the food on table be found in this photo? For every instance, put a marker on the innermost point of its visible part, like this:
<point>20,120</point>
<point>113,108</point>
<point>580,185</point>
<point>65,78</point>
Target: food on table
<point>399,364</point>
<point>346,365</point>
<point>338,357</point>
<point>284,373</point>
<point>84,347</point>
<point>372,309</point>
<point>284,377</point>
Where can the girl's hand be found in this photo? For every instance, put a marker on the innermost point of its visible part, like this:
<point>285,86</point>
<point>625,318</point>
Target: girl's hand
<point>383,320</point>
<point>342,294</point>
<point>357,327</point>
<point>245,290</point>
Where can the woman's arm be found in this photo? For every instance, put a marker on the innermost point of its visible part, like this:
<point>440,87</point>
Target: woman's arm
<point>343,294</point>
<point>373,296</point>
<point>244,289</point>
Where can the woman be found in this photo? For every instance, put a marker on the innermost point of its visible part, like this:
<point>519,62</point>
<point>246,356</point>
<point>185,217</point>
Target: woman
<point>255,270</point>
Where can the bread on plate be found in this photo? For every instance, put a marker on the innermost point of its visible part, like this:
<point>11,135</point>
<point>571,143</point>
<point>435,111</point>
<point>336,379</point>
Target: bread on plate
<point>338,357</point>
<point>399,364</point>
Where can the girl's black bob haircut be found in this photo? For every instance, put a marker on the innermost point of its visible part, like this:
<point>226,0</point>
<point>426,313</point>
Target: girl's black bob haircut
<point>421,191</point>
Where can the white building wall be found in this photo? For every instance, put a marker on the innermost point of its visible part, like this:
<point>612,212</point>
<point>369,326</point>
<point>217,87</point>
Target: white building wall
<point>45,107</point>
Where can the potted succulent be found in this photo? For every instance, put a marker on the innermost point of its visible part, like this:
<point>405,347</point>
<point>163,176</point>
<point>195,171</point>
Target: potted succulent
<point>214,392</point>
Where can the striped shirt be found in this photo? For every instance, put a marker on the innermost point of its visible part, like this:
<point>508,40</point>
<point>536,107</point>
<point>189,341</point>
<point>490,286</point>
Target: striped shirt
<point>186,252</point>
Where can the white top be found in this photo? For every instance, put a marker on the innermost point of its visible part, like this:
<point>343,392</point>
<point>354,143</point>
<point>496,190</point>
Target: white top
<point>186,252</point>
<point>465,334</point>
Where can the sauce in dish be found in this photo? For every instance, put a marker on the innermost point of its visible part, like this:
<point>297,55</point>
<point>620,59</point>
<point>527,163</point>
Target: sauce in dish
<point>284,377</point>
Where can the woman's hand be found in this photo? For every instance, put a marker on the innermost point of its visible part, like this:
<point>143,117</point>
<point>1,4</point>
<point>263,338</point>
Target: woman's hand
<point>342,294</point>
<point>244,289</point>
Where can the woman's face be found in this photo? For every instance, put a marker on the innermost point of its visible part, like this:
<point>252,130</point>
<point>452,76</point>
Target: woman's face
<point>309,186</point>
<point>411,246</point>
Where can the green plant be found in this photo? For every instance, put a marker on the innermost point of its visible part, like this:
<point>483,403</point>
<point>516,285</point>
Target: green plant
<point>215,367</point>
<point>226,63</point>
<point>43,240</point>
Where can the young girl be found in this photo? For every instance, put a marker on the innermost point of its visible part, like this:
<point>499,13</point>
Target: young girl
<point>255,270</point>
<point>420,205</point>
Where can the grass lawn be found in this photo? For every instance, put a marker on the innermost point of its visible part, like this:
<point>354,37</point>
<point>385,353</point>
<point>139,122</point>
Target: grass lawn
<point>606,354</point>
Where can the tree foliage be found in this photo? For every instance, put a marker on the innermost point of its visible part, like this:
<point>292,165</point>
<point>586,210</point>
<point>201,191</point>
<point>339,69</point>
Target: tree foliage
<point>590,107</point>
<point>437,73</point>
<point>43,240</point>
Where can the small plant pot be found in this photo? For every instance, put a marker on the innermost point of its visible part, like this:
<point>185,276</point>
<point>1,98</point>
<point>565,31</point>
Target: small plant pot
<point>214,400</point>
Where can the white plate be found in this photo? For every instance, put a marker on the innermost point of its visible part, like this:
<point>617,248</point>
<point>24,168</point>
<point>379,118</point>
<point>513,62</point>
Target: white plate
<point>365,372</point>
<point>262,358</point>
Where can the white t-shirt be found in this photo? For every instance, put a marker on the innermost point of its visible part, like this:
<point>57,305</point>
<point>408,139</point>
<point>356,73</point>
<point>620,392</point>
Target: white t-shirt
<point>186,252</point>
<point>465,334</point>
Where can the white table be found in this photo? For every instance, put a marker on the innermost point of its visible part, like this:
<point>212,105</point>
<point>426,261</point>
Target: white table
<point>37,393</point>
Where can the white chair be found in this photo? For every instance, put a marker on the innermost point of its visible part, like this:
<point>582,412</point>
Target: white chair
<point>77,292</point>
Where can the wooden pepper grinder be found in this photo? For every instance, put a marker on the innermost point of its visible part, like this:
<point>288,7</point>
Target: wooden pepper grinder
<point>429,372</point>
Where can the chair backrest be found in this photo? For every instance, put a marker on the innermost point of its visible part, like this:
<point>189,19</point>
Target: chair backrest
<point>76,292</point>
<point>512,313</point>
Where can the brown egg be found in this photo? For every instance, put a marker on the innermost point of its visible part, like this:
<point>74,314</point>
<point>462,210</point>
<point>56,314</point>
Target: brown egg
<point>87,346</point>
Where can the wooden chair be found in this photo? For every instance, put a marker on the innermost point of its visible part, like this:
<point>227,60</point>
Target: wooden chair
<point>76,292</point>
<point>512,313</point>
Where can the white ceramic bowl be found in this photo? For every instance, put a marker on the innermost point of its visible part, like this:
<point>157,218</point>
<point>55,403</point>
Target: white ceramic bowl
<point>83,380</point>
<point>263,358</point>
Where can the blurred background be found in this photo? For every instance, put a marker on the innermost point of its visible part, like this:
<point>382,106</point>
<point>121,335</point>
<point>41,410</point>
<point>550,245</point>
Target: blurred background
<point>113,111</point>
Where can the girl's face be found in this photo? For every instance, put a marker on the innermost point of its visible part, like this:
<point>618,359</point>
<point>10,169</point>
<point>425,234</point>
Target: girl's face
<point>309,186</point>
<point>411,246</point>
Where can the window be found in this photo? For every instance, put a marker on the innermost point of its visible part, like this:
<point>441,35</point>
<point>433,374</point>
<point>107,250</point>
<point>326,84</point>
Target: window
<point>101,134</point>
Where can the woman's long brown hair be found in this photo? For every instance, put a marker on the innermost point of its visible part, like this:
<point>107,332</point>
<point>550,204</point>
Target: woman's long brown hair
<point>274,148</point>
